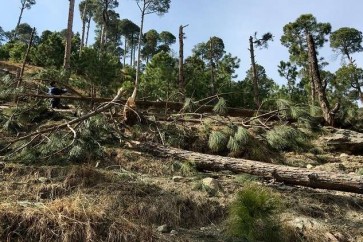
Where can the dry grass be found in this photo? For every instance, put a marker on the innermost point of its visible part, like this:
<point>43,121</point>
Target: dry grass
<point>83,203</point>
<point>71,219</point>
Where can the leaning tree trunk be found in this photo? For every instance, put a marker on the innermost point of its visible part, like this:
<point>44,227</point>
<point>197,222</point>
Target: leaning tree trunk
<point>281,173</point>
<point>19,19</point>
<point>328,113</point>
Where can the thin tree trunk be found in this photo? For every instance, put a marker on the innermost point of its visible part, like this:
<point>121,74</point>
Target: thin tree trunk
<point>134,53</point>
<point>138,64</point>
<point>26,57</point>
<point>101,36</point>
<point>254,74</point>
<point>125,47</point>
<point>20,77</point>
<point>83,36</point>
<point>19,19</point>
<point>83,28</point>
<point>131,48</point>
<point>87,34</point>
<point>281,173</point>
<point>67,54</point>
<point>212,67</point>
<point>181,63</point>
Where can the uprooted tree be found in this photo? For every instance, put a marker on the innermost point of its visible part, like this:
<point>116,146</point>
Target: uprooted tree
<point>146,7</point>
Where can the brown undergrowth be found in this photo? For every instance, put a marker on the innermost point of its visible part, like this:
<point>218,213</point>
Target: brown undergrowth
<point>83,203</point>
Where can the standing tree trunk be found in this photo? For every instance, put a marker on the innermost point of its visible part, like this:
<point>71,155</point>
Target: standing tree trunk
<point>181,63</point>
<point>88,27</point>
<point>67,52</point>
<point>130,115</point>
<point>101,36</point>
<point>254,74</point>
<point>133,96</point>
<point>83,36</point>
<point>212,65</point>
<point>132,49</point>
<point>83,28</point>
<point>125,52</point>
<point>318,83</point>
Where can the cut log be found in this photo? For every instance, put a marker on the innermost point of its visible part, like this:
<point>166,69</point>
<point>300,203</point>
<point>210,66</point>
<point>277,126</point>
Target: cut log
<point>281,173</point>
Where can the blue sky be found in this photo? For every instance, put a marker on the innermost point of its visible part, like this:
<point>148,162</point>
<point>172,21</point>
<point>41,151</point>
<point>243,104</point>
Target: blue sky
<point>231,20</point>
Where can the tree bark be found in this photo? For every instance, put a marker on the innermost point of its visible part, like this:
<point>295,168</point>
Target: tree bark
<point>19,19</point>
<point>83,28</point>
<point>212,64</point>
<point>181,63</point>
<point>281,173</point>
<point>125,51</point>
<point>318,83</point>
<point>254,74</point>
<point>87,34</point>
<point>67,53</point>
<point>26,57</point>
<point>138,64</point>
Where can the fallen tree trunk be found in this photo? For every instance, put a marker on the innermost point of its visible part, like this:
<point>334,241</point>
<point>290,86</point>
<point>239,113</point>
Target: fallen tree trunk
<point>233,112</point>
<point>281,173</point>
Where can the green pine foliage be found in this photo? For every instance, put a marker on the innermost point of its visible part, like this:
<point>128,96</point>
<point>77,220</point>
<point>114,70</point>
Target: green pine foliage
<point>8,88</point>
<point>188,105</point>
<point>221,106</point>
<point>11,126</point>
<point>217,141</point>
<point>28,116</point>
<point>289,109</point>
<point>286,138</point>
<point>253,215</point>
<point>239,141</point>
<point>92,136</point>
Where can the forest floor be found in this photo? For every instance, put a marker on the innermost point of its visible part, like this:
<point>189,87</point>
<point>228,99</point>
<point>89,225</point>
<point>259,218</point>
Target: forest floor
<point>131,194</point>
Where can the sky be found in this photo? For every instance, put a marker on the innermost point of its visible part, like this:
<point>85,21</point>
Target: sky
<point>231,20</point>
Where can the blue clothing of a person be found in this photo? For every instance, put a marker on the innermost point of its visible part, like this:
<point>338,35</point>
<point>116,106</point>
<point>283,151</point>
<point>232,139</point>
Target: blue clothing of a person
<point>52,90</point>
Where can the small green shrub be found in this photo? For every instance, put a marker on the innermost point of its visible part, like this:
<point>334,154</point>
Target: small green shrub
<point>253,215</point>
<point>244,177</point>
<point>186,168</point>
